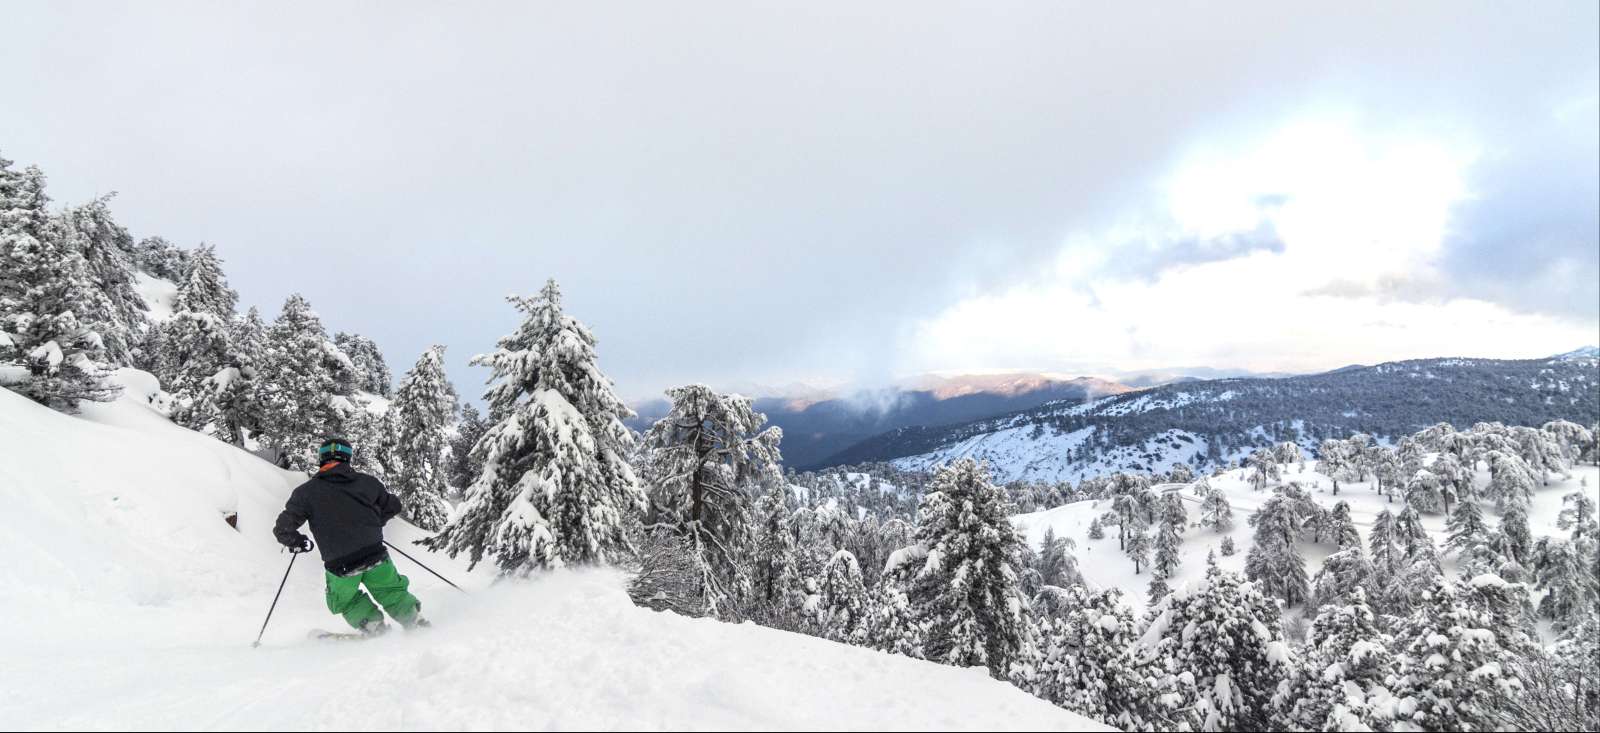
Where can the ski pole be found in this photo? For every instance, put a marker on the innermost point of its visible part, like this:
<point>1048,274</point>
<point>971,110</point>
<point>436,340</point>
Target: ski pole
<point>275,596</point>
<point>424,567</point>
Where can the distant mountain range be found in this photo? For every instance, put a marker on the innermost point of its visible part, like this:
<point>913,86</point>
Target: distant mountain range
<point>817,425</point>
<point>1212,422</point>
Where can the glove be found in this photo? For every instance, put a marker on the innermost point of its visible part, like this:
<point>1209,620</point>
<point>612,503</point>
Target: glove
<point>301,544</point>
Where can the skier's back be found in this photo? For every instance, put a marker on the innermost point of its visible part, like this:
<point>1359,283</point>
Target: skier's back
<point>347,510</point>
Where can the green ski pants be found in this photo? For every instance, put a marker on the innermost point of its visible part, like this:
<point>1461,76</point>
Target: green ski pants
<point>385,583</point>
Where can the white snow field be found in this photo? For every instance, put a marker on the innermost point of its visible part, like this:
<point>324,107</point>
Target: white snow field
<point>127,602</point>
<point>1103,564</point>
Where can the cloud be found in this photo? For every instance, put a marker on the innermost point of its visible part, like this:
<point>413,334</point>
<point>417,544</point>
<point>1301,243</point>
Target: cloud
<point>781,192</point>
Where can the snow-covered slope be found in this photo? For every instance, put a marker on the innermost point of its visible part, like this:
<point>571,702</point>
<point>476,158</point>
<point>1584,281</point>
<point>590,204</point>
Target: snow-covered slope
<point>128,602</point>
<point>1212,423</point>
<point>1103,564</point>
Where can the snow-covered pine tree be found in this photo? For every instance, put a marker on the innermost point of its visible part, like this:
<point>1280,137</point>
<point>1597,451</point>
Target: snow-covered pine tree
<point>113,305</point>
<point>1096,531</point>
<point>1577,515</point>
<point>47,352</point>
<point>1333,460</point>
<point>705,460</point>
<point>1138,543</point>
<point>774,567</point>
<point>299,390</point>
<point>1425,491</point>
<point>1518,538</point>
<point>1341,528</point>
<point>1413,537</point>
<point>197,344</point>
<point>371,372</point>
<point>893,625</point>
<point>1165,564</point>
<point>420,414</point>
<point>556,487</point>
<point>1129,496</point>
<point>839,610</point>
<point>1057,565</point>
<point>966,592</point>
<point>1388,554</point>
<point>1217,653</point>
<point>1263,466</point>
<point>1274,560</point>
<point>1452,665</point>
<point>1339,681</point>
<point>464,465</point>
<point>1227,546</point>
<point>237,391</point>
<point>1566,571</point>
<point>1083,664</point>
<point>1511,480</point>
<point>1215,511</point>
<point>1466,527</point>
<point>1341,574</point>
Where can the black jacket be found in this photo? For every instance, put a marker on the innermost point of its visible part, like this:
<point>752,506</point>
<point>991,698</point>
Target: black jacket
<point>347,510</point>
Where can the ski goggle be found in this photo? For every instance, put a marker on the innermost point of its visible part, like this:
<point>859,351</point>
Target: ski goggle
<point>328,449</point>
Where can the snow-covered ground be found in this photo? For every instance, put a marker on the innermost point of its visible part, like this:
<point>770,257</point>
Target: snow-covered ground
<point>129,602</point>
<point>1103,564</point>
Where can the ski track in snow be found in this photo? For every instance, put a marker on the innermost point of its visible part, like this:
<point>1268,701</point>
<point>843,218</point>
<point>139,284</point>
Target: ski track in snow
<point>131,604</point>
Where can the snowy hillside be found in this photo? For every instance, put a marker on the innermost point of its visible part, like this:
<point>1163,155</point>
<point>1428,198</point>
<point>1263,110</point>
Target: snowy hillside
<point>131,603</point>
<point>1212,423</point>
<point>1104,565</point>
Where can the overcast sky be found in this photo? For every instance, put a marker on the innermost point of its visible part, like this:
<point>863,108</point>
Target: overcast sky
<point>850,192</point>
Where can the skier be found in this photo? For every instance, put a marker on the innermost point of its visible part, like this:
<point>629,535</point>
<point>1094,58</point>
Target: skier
<point>347,510</point>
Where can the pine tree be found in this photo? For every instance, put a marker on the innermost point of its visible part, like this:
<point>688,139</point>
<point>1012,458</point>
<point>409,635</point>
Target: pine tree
<point>1096,531</point>
<point>1138,542</point>
<point>197,345</point>
<point>841,604</point>
<point>1466,527</point>
<point>1342,529</point>
<point>1333,460</point>
<point>1057,566</point>
<point>1274,560</point>
<point>966,592</point>
<point>1518,539</point>
<point>1511,480</point>
<point>556,487</point>
<point>366,359</point>
<point>1342,573</point>
<point>1453,664</point>
<point>1215,512</point>
<point>774,566</point>
<point>1263,465</point>
<point>1227,546</point>
<point>1386,549</point>
<point>1413,537</point>
<point>1166,559</point>
<point>705,458</point>
<point>892,622</point>
<point>1340,681</point>
<point>464,465</point>
<point>299,390</point>
<point>237,391</point>
<point>112,304</point>
<point>1083,663</point>
<point>1217,653</point>
<point>1565,571</point>
<point>420,415</point>
<point>48,353</point>
<point>1577,515</point>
